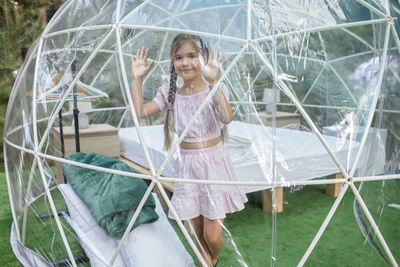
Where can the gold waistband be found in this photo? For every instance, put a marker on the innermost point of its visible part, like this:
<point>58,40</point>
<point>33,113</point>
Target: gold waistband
<point>199,145</point>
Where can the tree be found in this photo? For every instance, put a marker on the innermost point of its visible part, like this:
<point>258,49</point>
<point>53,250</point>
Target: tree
<point>21,23</point>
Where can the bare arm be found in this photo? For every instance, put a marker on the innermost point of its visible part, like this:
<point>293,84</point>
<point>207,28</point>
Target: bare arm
<point>210,71</point>
<point>139,70</point>
<point>142,110</point>
<point>222,106</point>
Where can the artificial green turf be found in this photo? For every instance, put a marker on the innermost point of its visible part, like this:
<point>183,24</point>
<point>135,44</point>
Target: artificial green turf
<point>7,257</point>
<point>251,230</point>
<point>342,244</point>
<point>40,235</point>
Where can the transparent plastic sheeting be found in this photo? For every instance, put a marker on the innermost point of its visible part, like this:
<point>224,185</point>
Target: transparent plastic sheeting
<point>315,94</point>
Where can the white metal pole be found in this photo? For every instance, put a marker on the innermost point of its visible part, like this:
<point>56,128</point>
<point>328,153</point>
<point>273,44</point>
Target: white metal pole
<point>373,224</point>
<point>123,117</point>
<point>17,84</point>
<point>10,195</point>
<point>395,36</point>
<point>324,28</point>
<point>26,202</point>
<point>371,8</point>
<point>376,178</point>
<point>78,29</point>
<point>356,55</point>
<point>202,106</point>
<point>286,90</point>
<point>57,17</point>
<point>132,222</point>
<point>317,60</point>
<point>374,103</point>
<point>196,238</point>
<point>55,214</point>
<point>313,84</point>
<point>78,164</point>
<point>171,16</point>
<point>204,34</point>
<point>182,180</point>
<point>68,91</point>
<point>134,10</point>
<point>358,38</point>
<point>211,8</point>
<point>260,182</point>
<point>130,101</point>
<point>249,29</point>
<point>34,94</point>
<point>108,109</point>
<point>96,168</point>
<point>344,84</point>
<point>241,100</point>
<point>118,11</point>
<point>231,21</point>
<point>179,222</point>
<point>324,225</point>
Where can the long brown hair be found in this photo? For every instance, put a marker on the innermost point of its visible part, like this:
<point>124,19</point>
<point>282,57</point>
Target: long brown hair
<point>178,41</point>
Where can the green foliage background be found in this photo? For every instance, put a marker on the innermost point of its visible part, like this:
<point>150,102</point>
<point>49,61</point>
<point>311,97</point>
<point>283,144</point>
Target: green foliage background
<point>21,22</point>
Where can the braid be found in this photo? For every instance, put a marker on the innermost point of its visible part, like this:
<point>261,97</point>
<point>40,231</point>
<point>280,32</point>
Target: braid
<point>172,85</point>
<point>169,120</point>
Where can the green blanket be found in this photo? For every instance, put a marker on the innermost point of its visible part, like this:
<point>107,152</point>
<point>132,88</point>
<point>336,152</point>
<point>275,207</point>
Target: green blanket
<point>112,199</point>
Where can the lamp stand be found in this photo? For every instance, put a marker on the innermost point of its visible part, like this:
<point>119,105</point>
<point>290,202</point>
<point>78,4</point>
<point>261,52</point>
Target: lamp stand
<point>76,113</point>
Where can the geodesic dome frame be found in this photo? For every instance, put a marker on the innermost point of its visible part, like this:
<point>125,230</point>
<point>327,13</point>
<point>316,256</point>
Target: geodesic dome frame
<point>288,47</point>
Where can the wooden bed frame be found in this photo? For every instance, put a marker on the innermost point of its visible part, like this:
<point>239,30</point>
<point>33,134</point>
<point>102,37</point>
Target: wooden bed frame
<point>169,186</point>
<point>267,203</point>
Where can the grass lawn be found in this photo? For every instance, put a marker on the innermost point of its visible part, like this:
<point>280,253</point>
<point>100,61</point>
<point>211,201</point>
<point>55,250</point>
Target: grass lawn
<point>251,231</point>
<point>40,236</point>
<point>342,244</point>
<point>7,257</point>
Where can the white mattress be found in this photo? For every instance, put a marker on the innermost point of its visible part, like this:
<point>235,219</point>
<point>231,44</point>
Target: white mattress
<point>298,155</point>
<point>143,242</point>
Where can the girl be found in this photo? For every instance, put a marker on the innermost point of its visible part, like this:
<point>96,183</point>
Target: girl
<point>202,155</point>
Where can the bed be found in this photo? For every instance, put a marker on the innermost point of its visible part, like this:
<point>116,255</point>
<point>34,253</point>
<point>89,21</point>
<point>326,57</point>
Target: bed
<point>299,155</point>
<point>100,207</point>
<point>145,241</point>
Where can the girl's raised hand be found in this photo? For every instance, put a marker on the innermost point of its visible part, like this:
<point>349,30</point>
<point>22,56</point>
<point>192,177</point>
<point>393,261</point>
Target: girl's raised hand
<point>210,68</point>
<point>139,68</point>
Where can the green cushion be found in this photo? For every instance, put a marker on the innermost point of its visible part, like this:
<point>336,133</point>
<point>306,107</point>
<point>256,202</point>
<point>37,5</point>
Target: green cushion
<point>112,199</point>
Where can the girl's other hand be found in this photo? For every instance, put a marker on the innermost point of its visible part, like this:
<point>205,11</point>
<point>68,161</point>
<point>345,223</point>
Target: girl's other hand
<point>139,68</point>
<point>210,68</point>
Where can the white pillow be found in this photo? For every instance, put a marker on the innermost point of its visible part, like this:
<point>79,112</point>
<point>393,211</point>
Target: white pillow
<point>98,246</point>
<point>155,244</point>
<point>151,244</point>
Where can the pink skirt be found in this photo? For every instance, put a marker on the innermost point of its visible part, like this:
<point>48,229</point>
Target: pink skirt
<point>212,201</point>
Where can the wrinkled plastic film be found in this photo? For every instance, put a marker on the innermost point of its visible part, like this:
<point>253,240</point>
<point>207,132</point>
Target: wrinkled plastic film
<point>313,89</point>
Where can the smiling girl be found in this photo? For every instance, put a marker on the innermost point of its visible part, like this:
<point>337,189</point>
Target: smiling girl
<point>202,154</point>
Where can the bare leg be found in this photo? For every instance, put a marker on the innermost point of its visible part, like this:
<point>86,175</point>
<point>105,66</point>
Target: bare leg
<point>198,224</point>
<point>213,237</point>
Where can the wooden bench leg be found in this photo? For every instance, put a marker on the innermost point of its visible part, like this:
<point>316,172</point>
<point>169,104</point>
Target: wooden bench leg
<point>59,173</point>
<point>160,197</point>
<point>333,189</point>
<point>267,200</point>
<point>187,226</point>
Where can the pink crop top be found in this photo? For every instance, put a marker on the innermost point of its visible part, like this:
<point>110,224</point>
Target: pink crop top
<point>206,127</point>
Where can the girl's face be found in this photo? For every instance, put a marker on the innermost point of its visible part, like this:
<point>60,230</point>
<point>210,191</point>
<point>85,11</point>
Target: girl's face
<point>187,62</point>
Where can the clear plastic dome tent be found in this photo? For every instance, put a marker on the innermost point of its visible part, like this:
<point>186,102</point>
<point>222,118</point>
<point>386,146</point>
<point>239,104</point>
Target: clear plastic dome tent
<point>315,91</point>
